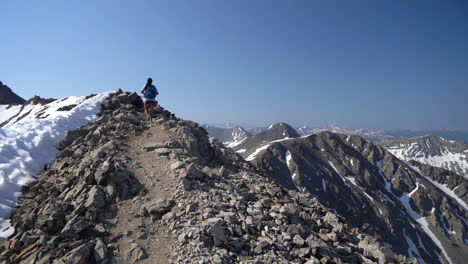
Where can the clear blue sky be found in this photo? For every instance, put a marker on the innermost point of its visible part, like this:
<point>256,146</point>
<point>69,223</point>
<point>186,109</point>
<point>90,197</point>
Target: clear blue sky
<point>377,64</point>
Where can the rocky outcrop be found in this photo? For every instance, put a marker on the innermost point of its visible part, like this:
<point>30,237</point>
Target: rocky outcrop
<point>37,100</point>
<point>223,211</point>
<point>7,96</point>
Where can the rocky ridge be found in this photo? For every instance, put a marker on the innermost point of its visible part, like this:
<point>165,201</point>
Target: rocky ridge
<point>222,212</point>
<point>250,146</point>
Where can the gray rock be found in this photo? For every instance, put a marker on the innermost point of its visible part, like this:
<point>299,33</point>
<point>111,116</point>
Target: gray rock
<point>158,208</point>
<point>95,198</point>
<point>75,225</point>
<point>217,233</point>
<point>136,253</point>
<point>101,172</point>
<point>79,255</point>
<point>100,251</point>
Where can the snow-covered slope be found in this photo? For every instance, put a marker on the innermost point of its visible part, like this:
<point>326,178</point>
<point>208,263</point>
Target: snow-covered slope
<point>432,150</point>
<point>230,136</point>
<point>29,139</point>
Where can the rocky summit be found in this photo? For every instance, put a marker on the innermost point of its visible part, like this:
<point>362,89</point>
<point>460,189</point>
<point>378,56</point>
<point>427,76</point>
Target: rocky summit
<point>126,190</point>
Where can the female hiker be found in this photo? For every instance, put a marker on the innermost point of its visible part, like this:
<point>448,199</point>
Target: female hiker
<point>149,92</point>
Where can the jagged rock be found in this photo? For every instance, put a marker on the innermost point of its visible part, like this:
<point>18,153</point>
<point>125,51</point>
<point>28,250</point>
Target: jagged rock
<point>75,225</point>
<point>95,198</point>
<point>217,233</point>
<point>158,208</point>
<point>100,251</point>
<point>135,253</point>
<point>298,240</point>
<point>177,165</point>
<point>102,171</point>
<point>288,210</point>
<point>79,255</point>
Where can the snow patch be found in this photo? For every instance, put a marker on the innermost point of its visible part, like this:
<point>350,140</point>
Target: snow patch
<point>405,200</point>
<point>413,250</point>
<point>255,153</point>
<point>28,145</point>
<point>288,162</point>
<point>341,176</point>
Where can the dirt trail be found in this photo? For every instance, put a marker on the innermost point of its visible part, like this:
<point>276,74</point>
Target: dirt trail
<point>154,174</point>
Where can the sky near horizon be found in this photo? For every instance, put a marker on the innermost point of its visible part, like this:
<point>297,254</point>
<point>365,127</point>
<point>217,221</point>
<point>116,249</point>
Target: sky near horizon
<point>375,64</point>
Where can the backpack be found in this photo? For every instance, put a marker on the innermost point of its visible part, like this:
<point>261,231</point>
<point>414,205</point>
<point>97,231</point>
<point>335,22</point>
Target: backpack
<point>150,92</point>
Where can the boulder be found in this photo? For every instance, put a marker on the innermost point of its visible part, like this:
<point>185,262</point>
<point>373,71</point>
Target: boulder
<point>96,198</point>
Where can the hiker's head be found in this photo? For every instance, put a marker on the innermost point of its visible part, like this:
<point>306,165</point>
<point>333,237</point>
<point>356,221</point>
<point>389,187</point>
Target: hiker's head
<point>149,81</point>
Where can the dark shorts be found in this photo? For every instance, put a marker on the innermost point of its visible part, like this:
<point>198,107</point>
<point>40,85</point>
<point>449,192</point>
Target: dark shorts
<point>153,103</point>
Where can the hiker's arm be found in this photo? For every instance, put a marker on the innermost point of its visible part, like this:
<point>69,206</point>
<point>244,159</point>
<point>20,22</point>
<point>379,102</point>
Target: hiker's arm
<point>142,91</point>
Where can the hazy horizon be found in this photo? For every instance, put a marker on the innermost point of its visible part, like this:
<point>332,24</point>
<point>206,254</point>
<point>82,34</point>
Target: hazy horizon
<point>379,65</point>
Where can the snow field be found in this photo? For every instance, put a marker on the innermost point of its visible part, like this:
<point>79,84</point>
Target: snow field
<point>27,145</point>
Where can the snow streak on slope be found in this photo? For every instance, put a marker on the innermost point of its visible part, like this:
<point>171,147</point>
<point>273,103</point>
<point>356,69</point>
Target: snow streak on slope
<point>448,192</point>
<point>405,200</point>
<point>293,175</point>
<point>7,112</point>
<point>413,251</point>
<point>29,144</point>
<point>265,146</point>
<point>254,154</point>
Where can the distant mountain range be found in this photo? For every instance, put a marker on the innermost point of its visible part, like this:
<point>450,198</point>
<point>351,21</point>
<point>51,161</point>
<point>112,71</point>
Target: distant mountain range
<point>7,96</point>
<point>432,150</point>
<point>375,135</point>
<point>230,136</point>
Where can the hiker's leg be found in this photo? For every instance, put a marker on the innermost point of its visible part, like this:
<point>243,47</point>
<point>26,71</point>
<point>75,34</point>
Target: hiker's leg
<point>151,110</point>
<point>146,108</point>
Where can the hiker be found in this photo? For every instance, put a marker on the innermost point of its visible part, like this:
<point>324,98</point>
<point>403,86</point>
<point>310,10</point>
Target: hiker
<point>149,92</point>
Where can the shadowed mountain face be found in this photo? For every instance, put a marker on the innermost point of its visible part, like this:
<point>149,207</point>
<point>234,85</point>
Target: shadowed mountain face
<point>7,96</point>
<point>375,191</point>
<point>231,136</point>
<point>432,150</point>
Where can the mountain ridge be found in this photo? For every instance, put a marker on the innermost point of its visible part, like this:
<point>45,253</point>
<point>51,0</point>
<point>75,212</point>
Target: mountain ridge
<point>219,209</point>
<point>333,167</point>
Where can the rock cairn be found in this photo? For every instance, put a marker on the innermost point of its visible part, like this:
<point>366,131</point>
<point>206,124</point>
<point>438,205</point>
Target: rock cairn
<point>223,211</point>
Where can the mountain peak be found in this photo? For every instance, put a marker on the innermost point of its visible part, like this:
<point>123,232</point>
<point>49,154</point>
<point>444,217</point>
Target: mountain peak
<point>7,96</point>
<point>283,128</point>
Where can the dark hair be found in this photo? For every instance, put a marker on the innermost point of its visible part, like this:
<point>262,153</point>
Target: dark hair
<point>148,82</point>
